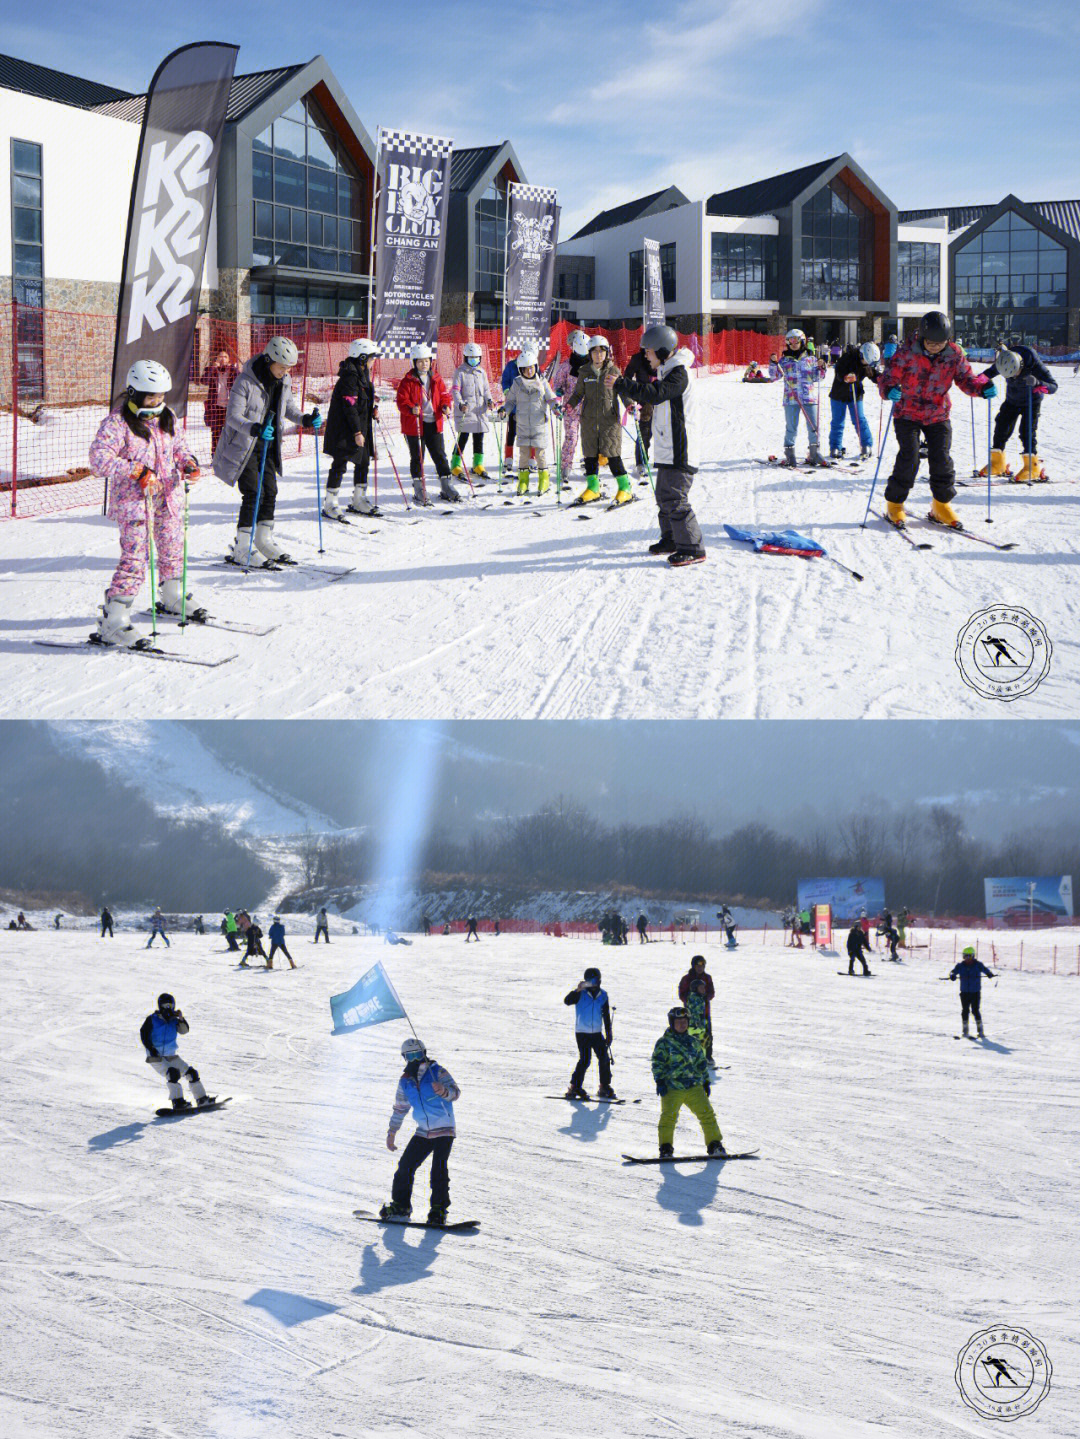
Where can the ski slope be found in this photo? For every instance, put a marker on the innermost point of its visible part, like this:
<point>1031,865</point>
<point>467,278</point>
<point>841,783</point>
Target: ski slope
<point>505,610</point>
<point>205,1277</point>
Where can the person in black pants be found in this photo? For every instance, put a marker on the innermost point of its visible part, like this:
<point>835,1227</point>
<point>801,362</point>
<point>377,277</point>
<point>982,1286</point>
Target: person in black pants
<point>970,972</point>
<point>643,929</point>
<point>253,935</point>
<point>425,925</point>
<point>857,943</point>
<point>350,430</point>
<point>429,1091</point>
<point>106,923</point>
<point>1027,383</point>
<point>639,371</point>
<point>472,934</point>
<point>592,1030</point>
<point>322,926</point>
<point>277,941</point>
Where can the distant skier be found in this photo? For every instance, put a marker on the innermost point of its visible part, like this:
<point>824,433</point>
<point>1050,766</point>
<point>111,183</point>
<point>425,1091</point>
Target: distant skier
<point>643,929</point>
<point>106,922</point>
<point>428,1090</point>
<point>694,973</point>
<point>157,926</point>
<point>322,926</point>
<point>229,929</point>
<point>159,1034</point>
<point>22,922</point>
<point>681,1076</point>
<point>198,926</point>
<point>970,973</point>
<point>277,941</point>
<point>592,1031</point>
<point>472,931</point>
<point>728,924</point>
<point>1027,383</point>
<point>425,925</point>
<point>857,945</point>
<point>56,921</point>
<point>253,934</point>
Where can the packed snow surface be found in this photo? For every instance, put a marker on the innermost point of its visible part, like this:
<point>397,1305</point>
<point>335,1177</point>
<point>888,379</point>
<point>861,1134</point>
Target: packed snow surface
<point>205,1276</point>
<point>503,609</point>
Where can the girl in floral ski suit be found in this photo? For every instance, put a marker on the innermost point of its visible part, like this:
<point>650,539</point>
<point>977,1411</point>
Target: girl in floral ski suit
<point>147,466</point>
<point>800,370</point>
<point>563,381</point>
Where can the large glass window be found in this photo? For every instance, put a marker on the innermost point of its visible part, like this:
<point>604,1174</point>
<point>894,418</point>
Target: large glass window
<point>302,302</point>
<point>744,267</point>
<point>28,270</point>
<point>1011,278</point>
<point>667,274</point>
<point>837,245</point>
<point>918,273</point>
<point>309,198</point>
<point>491,239</point>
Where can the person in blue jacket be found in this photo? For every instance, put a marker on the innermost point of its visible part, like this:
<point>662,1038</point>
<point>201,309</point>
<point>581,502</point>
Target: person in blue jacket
<point>157,926</point>
<point>890,347</point>
<point>592,1030</point>
<point>970,972</point>
<point>159,1034</point>
<point>509,375</point>
<point>428,1090</point>
<point>277,941</point>
<point>1027,383</point>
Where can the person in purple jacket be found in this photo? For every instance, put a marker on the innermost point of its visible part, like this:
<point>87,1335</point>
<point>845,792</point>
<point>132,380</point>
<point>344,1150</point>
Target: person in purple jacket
<point>970,972</point>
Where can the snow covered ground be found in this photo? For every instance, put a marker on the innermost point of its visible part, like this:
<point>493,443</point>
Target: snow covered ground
<point>205,1277</point>
<point>502,610</point>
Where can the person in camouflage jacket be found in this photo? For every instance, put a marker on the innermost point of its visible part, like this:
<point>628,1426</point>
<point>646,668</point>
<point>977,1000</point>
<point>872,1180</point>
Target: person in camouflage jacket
<point>697,1007</point>
<point>682,1077</point>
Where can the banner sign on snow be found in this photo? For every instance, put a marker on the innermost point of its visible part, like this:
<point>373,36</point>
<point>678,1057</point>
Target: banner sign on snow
<point>171,201</point>
<point>533,233</point>
<point>371,1000</point>
<point>410,236</point>
<point>847,898</point>
<point>1016,901</point>
<point>653,288</point>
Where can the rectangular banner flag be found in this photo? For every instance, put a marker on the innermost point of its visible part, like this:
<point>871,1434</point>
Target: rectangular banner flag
<point>169,221</point>
<point>410,239</point>
<point>846,897</point>
<point>371,1000</point>
<point>532,233</point>
<point>653,287</point>
<point>1029,899</point>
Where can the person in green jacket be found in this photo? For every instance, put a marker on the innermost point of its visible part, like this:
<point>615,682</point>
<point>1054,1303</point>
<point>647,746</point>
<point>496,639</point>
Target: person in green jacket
<point>229,929</point>
<point>682,1077</point>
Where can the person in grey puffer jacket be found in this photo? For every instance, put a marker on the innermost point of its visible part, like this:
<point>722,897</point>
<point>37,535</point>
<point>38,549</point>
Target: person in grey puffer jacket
<point>530,398</point>
<point>260,403</point>
<point>471,393</point>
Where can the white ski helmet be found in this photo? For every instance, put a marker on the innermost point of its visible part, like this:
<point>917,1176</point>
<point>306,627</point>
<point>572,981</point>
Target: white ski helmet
<point>1009,364</point>
<point>472,351</point>
<point>599,343</point>
<point>281,351</point>
<point>363,347</point>
<point>420,352</point>
<point>793,335</point>
<point>870,352</point>
<point>528,356</point>
<point>579,342</point>
<point>412,1048</point>
<point>148,377</point>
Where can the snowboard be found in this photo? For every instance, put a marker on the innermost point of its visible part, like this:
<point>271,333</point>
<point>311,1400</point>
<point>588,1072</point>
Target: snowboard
<point>851,975</point>
<point>595,1099</point>
<point>171,1113</point>
<point>686,1158</point>
<point>460,1226</point>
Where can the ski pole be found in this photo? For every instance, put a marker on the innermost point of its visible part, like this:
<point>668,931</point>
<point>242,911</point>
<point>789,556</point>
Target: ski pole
<point>393,466</point>
<point>645,456</point>
<point>989,458</point>
<point>150,554</point>
<point>877,469</point>
<point>258,501</point>
<point>1031,436</point>
<point>974,451</point>
<point>558,460</point>
<point>183,582</point>
<point>318,492</point>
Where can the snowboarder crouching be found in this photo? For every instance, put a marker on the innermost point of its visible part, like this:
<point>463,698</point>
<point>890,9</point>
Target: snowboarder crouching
<point>857,943</point>
<point>682,1077</point>
<point>159,1034</point>
<point>429,1091</point>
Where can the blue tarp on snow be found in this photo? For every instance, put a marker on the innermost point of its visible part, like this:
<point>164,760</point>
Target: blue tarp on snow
<point>765,537</point>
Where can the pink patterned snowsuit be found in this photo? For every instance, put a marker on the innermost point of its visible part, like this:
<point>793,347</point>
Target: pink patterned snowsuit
<point>116,454</point>
<point>562,382</point>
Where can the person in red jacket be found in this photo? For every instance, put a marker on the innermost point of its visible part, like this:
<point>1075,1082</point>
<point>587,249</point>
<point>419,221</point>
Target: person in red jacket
<point>917,379</point>
<point>424,402</point>
<point>696,972</point>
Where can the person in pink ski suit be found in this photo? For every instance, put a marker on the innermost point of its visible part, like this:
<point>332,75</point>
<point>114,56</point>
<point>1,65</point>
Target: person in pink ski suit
<point>563,381</point>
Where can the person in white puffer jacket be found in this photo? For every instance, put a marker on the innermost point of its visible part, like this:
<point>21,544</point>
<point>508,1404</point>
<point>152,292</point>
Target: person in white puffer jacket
<point>530,398</point>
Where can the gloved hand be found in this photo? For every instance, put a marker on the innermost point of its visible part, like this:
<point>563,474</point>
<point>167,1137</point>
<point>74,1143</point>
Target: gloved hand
<point>500,413</point>
<point>1041,390</point>
<point>313,420</point>
<point>990,392</point>
<point>194,472</point>
<point>661,1090</point>
<point>390,1140</point>
<point>1030,381</point>
<point>264,432</point>
<point>894,393</point>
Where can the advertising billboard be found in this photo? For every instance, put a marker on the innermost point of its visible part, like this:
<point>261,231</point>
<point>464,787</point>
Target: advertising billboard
<point>846,897</point>
<point>1029,900</point>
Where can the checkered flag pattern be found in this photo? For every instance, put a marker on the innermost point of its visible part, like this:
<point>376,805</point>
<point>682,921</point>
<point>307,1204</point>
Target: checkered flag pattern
<point>396,348</point>
<point>432,145</point>
<point>531,192</point>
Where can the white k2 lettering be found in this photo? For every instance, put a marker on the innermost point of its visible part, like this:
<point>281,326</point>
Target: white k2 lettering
<point>162,289</point>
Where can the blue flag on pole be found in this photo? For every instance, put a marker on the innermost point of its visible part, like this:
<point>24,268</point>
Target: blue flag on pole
<point>371,1000</point>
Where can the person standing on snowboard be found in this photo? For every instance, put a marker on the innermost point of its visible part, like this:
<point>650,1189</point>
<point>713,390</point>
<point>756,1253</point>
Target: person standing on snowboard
<point>858,942</point>
<point>682,1078</point>
<point>428,1090</point>
<point>592,1030</point>
<point>159,1033</point>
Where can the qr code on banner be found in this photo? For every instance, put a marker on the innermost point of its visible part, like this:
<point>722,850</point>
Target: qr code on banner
<point>409,267</point>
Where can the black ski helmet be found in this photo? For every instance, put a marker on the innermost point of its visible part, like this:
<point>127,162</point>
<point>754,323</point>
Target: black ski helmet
<point>935,326</point>
<point>662,339</point>
<point>165,1002</point>
<point>679,1011</point>
<point>695,959</point>
<point>593,975</point>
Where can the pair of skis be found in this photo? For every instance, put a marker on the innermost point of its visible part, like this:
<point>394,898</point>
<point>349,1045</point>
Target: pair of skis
<point>902,531</point>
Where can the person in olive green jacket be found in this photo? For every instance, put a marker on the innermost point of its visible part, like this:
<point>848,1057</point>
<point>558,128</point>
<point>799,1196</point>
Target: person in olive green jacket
<point>601,425</point>
<point>682,1077</point>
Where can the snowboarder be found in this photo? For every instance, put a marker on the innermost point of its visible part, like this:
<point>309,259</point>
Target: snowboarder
<point>801,371</point>
<point>856,364</point>
<point>471,392</point>
<point>159,1034</point>
<point>682,1077</point>
<point>916,380</point>
<point>696,972</point>
<point>563,382</point>
<point>529,400</point>
<point>147,466</point>
<point>592,1030</point>
<point>423,402</point>
<point>106,922</point>
<point>350,430</point>
<point>643,929</point>
<point>970,972</point>
<point>697,1007</point>
<point>322,926</point>
<point>219,378</point>
<point>471,932</point>
<point>277,941</point>
<point>248,454</point>
<point>601,428</point>
<point>427,1089</point>
<point>1027,383</point>
<point>157,926</point>
<point>671,395</point>
<point>857,944</point>
<point>229,929</point>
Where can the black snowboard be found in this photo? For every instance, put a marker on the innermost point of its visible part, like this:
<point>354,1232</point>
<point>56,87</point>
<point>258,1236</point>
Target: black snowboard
<point>852,975</point>
<point>171,1113</point>
<point>461,1226</point>
<point>685,1158</point>
<point>595,1099</point>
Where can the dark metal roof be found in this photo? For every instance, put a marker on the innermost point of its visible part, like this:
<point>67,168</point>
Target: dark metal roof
<point>246,92</point>
<point>633,210</point>
<point>766,197</point>
<point>1065,214</point>
<point>466,166</point>
<point>49,84</point>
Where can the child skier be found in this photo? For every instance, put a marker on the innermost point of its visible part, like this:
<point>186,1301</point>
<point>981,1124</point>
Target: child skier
<point>424,402</point>
<point>472,400</point>
<point>159,1034</point>
<point>350,430</point>
<point>601,427</point>
<point>563,381</point>
<point>917,381</point>
<point>147,466</point>
<point>682,1077</point>
<point>970,972</point>
<point>801,371</point>
<point>592,1030</point>
<point>697,1007</point>
<point>248,455</point>
<point>856,364</point>
<point>429,1091</point>
<point>157,926</point>
<point>1027,383</point>
<point>277,941</point>
<point>529,400</point>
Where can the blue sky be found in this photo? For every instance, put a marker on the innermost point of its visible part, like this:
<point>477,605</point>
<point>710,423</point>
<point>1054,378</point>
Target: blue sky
<point>955,102</point>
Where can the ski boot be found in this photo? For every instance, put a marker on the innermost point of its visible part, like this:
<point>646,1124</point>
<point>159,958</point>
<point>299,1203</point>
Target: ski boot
<point>447,491</point>
<point>419,494</point>
<point>115,627</point>
<point>543,482</point>
<point>400,1212</point>
<point>181,1104</point>
<point>360,504</point>
<point>942,513</point>
<point>692,555</point>
<point>479,474</point>
<point>866,453</point>
<point>523,482</point>
<point>590,493</point>
<point>457,467</point>
<point>836,454</point>
<point>716,1147</point>
<point>239,555</point>
<point>1031,471</point>
<point>171,600</point>
<point>667,1151</point>
<point>576,1092</point>
<point>624,494</point>
<point>789,456</point>
<point>895,511</point>
<point>980,1032</point>
<point>606,1092</point>
<point>965,1030</point>
<point>437,1216</point>
<point>997,464</point>
<point>332,507</point>
<point>268,546</point>
<point>665,545</point>
<point>813,458</point>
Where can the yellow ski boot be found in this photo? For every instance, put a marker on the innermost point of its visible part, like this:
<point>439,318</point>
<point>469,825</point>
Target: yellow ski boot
<point>457,466</point>
<point>1030,471</point>
<point>543,482</point>
<point>590,493</point>
<point>523,482</point>
<point>895,511</point>
<point>998,467</point>
<point>478,471</point>
<point>624,495</point>
<point>942,513</point>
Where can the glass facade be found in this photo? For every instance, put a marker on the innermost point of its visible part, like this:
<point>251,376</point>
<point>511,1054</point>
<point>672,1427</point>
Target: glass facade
<point>837,245</point>
<point>574,285</point>
<point>918,273</point>
<point>1012,278</point>
<point>28,270</point>
<point>491,238</point>
<point>298,302</point>
<point>309,199</point>
<point>637,275</point>
<point>744,267</point>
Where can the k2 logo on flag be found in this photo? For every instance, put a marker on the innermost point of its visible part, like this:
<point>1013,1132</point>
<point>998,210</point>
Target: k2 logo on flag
<point>163,285</point>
